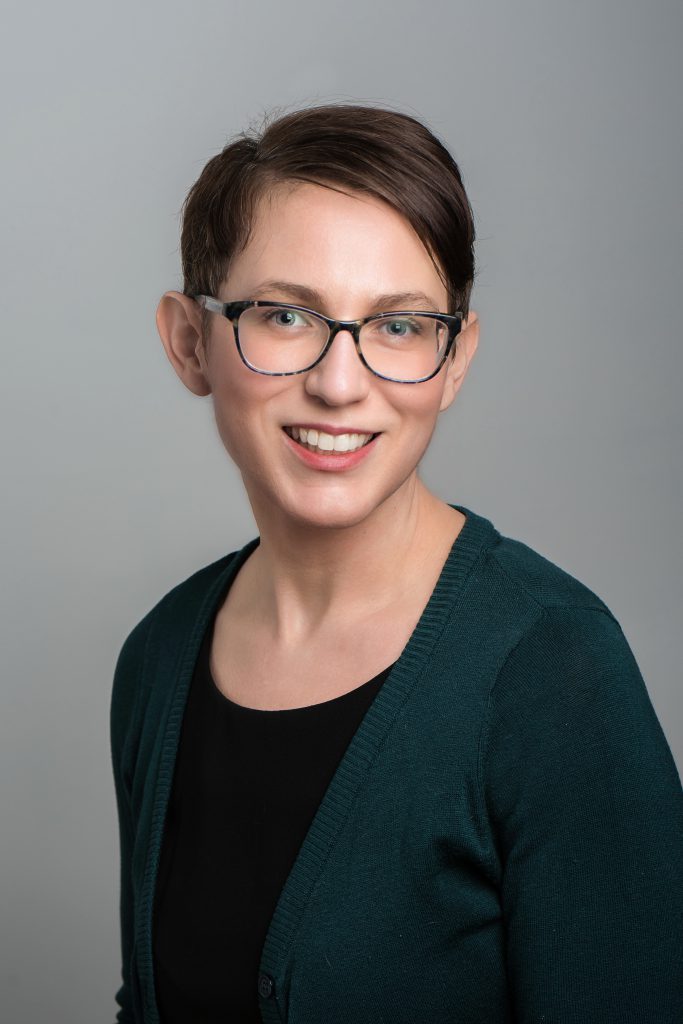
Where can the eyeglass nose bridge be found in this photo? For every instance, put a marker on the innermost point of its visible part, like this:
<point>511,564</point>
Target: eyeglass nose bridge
<point>334,327</point>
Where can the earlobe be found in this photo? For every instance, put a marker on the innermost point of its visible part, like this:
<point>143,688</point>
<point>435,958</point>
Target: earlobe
<point>179,325</point>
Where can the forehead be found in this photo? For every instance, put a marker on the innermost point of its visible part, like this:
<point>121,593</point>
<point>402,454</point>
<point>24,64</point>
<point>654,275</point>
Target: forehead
<point>342,244</point>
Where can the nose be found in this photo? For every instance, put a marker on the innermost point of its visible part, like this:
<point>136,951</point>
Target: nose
<point>340,377</point>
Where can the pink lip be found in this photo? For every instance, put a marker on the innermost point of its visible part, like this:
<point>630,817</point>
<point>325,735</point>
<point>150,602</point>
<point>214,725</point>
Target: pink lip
<point>330,463</point>
<point>329,429</point>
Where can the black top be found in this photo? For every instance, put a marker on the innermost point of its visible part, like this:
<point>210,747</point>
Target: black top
<point>246,786</point>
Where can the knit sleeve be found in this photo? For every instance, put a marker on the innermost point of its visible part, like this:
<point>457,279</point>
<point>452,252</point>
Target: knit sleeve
<point>586,808</point>
<point>124,702</point>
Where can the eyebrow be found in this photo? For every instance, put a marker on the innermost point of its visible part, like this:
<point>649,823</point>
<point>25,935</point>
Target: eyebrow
<point>388,302</point>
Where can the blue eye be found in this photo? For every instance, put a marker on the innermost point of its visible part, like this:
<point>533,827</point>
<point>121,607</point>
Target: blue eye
<point>405,326</point>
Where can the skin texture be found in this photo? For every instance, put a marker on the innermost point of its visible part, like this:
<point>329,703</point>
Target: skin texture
<point>334,546</point>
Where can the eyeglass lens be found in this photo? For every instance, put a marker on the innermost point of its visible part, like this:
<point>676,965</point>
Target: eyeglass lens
<point>277,339</point>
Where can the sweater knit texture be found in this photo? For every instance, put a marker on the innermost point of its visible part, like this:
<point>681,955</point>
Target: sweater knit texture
<point>501,840</point>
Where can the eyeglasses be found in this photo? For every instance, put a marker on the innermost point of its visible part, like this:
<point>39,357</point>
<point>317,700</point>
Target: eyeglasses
<point>280,339</point>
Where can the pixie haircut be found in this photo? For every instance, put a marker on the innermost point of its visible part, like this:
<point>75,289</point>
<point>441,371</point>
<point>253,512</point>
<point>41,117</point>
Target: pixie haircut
<point>349,147</point>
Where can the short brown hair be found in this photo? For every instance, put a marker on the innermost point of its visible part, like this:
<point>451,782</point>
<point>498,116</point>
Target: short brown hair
<point>380,152</point>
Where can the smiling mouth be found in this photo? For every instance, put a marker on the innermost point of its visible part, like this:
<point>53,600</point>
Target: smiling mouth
<point>328,443</point>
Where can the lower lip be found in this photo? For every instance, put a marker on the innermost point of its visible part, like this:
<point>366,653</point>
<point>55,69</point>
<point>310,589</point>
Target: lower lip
<point>344,460</point>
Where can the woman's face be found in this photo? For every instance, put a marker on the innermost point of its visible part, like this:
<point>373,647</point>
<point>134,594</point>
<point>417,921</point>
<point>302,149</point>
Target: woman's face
<point>349,249</point>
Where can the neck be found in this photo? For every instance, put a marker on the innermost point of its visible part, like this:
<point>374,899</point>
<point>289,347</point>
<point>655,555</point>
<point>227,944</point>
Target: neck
<point>303,581</point>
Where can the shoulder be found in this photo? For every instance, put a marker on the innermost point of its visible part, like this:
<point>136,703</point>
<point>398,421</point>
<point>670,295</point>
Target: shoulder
<point>538,580</point>
<point>171,614</point>
<point>550,638</point>
<point>568,702</point>
<point>187,592</point>
<point>566,678</point>
<point>564,632</point>
<point>522,604</point>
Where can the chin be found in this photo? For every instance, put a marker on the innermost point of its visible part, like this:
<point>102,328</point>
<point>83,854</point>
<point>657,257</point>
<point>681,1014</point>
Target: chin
<point>324,508</point>
<point>328,513</point>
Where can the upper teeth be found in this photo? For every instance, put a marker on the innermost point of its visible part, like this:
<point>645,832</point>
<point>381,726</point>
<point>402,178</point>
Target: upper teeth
<point>328,442</point>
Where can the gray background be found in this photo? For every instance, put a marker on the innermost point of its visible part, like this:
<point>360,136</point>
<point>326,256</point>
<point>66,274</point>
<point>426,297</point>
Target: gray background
<point>565,120</point>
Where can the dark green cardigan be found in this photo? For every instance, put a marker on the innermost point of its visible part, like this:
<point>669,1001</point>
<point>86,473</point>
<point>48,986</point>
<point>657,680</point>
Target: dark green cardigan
<point>501,841</point>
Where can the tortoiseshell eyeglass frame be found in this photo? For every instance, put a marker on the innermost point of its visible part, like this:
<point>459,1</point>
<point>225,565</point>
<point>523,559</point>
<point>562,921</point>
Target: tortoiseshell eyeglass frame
<point>233,310</point>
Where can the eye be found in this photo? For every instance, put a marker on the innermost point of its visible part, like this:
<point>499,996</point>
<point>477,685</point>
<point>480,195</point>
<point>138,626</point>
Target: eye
<point>400,327</point>
<point>285,317</point>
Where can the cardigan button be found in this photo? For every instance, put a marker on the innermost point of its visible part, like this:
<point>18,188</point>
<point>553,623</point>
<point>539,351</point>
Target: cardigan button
<point>265,986</point>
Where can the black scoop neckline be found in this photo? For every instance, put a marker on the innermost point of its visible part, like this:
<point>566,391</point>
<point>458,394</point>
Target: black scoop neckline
<point>244,709</point>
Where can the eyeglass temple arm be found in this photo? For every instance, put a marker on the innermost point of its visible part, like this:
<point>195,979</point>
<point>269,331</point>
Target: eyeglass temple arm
<point>208,303</point>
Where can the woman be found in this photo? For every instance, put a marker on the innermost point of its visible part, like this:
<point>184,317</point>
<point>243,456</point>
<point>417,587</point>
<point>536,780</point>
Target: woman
<point>383,763</point>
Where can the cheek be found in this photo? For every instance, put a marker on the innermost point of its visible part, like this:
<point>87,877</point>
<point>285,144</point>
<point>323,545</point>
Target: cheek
<point>420,413</point>
<point>234,402</point>
<point>418,404</point>
<point>241,403</point>
<point>229,431</point>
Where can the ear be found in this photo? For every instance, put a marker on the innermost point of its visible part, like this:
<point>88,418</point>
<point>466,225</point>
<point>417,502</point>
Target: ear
<point>180,328</point>
<point>457,364</point>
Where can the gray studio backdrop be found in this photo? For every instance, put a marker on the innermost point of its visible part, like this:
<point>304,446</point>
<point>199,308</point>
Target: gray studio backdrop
<point>565,119</point>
